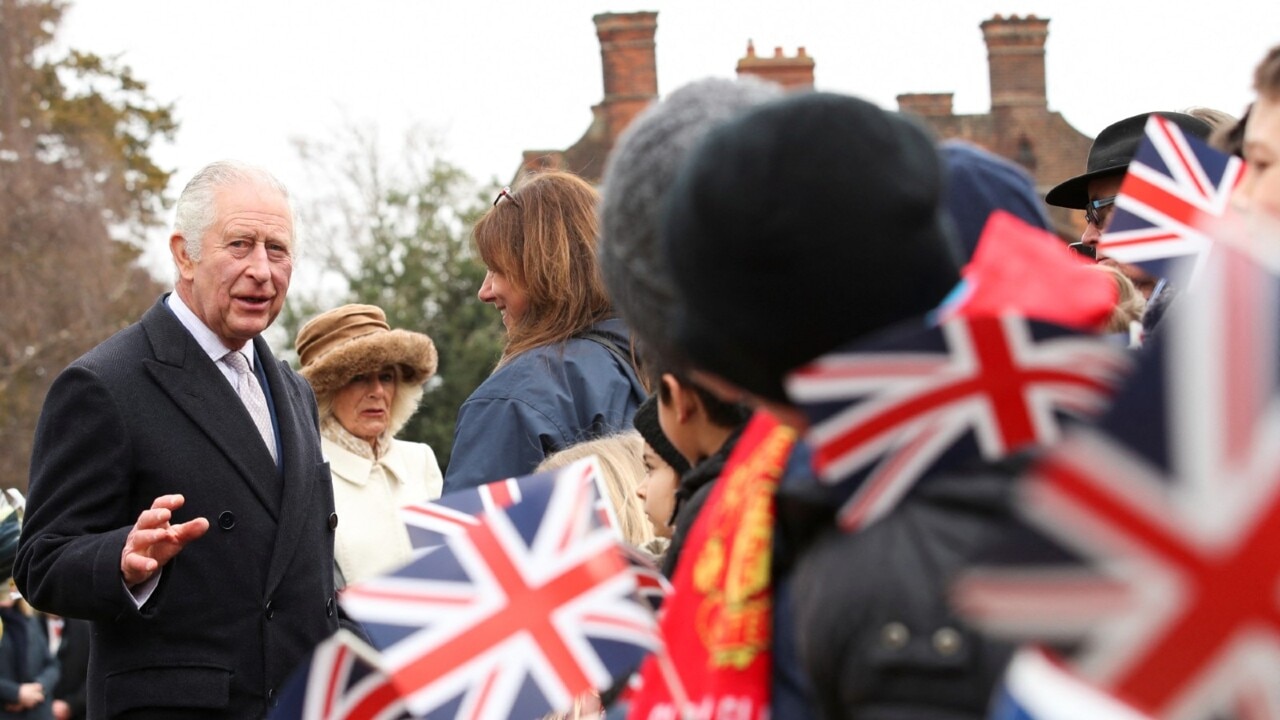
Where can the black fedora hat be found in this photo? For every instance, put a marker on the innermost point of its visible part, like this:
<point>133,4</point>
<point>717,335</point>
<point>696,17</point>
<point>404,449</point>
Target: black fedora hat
<point>1111,152</point>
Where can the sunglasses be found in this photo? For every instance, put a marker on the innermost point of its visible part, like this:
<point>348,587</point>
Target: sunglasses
<point>1091,209</point>
<point>506,193</point>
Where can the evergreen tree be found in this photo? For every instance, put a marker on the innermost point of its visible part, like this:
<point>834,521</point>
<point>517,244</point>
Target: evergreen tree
<point>402,241</point>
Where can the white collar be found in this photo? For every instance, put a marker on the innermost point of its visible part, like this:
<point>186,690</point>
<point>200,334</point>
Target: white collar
<point>205,338</point>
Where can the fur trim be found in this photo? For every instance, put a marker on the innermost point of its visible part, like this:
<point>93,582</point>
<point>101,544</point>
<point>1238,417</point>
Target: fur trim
<point>413,353</point>
<point>405,404</point>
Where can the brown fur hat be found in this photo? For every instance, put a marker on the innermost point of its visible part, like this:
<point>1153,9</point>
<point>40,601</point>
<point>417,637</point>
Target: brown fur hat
<point>350,340</point>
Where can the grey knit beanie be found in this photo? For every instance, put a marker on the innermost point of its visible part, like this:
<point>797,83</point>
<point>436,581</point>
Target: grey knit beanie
<point>637,176</point>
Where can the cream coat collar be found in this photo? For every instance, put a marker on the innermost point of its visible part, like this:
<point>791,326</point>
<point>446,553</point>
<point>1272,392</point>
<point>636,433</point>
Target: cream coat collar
<point>356,469</point>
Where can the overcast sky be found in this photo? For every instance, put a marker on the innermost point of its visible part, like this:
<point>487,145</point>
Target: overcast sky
<point>494,77</point>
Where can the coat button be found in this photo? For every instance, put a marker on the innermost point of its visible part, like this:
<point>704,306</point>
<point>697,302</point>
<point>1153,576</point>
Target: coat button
<point>333,521</point>
<point>328,607</point>
<point>270,610</point>
<point>895,635</point>
<point>947,641</point>
<point>227,520</point>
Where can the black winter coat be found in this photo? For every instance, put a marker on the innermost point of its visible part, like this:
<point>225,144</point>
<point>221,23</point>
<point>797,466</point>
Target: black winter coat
<point>144,414</point>
<point>873,624</point>
<point>691,495</point>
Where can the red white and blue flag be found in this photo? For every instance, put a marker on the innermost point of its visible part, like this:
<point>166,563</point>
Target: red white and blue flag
<point>1172,503</point>
<point>1036,686</point>
<point>1010,251</point>
<point>335,683</point>
<point>886,411</point>
<point>430,523</point>
<point>527,608</point>
<point>1176,185</point>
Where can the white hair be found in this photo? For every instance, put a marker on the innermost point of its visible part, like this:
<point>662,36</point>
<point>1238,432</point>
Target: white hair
<point>195,210</point>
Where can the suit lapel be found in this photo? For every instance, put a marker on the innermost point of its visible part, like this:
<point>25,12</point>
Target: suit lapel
<point>192,381</point>
<point>297,433</point>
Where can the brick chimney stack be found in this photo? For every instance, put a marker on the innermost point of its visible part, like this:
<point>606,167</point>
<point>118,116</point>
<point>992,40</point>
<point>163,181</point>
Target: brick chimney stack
<point>789,72</point>
<point>630,67</point>
<point>1015,58</point>
<point>927,105</point>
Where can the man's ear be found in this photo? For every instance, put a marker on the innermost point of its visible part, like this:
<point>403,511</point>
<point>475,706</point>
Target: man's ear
<point>178,248</point>
<point>680,397</point>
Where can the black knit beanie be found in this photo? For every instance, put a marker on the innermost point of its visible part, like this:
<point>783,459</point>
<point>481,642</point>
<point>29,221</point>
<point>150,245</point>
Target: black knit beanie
<point>799,226</point>
<point>646,423</point>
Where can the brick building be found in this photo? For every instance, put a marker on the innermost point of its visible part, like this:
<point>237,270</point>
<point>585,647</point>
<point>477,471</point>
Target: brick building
<point>628,59</point>
<point>792,73</point>
<point>629,62</point>
<point>1019,125</point>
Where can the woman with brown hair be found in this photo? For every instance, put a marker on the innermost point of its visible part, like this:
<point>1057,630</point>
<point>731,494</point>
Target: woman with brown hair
<point>565,374</point>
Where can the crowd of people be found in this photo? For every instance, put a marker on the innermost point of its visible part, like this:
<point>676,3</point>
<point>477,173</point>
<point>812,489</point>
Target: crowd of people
<point>200,504</point>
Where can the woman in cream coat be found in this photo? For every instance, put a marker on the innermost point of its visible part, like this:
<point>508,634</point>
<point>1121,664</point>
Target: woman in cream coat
<point>368,381</point>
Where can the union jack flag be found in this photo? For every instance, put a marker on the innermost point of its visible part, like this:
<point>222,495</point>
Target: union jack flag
<point>528,607</point>
<point>430,523</point>
<point>335,683</point>
<point>652,586</point>
<point>1173,501</point>
<point>885,412</point>
<point>1174,186</point>
<point>1037,687</point>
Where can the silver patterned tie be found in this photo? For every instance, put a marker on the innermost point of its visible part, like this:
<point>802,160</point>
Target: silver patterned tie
<point>254,401</point>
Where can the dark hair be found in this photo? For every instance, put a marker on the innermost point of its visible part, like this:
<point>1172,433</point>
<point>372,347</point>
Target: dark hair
<point>651,363</point>
<point>719,412</point>
<point>1231,139</point>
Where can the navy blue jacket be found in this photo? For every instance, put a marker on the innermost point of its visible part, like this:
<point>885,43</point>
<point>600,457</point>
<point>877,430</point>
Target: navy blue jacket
<point>24,658</point>
<point>544,400</point>
<point>871,623</point>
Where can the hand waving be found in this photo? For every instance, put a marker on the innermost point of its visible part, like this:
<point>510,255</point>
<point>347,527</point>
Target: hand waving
<point>153,541</point>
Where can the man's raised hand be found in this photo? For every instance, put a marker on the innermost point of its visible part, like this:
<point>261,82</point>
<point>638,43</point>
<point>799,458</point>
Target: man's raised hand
<point>153,541</point>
